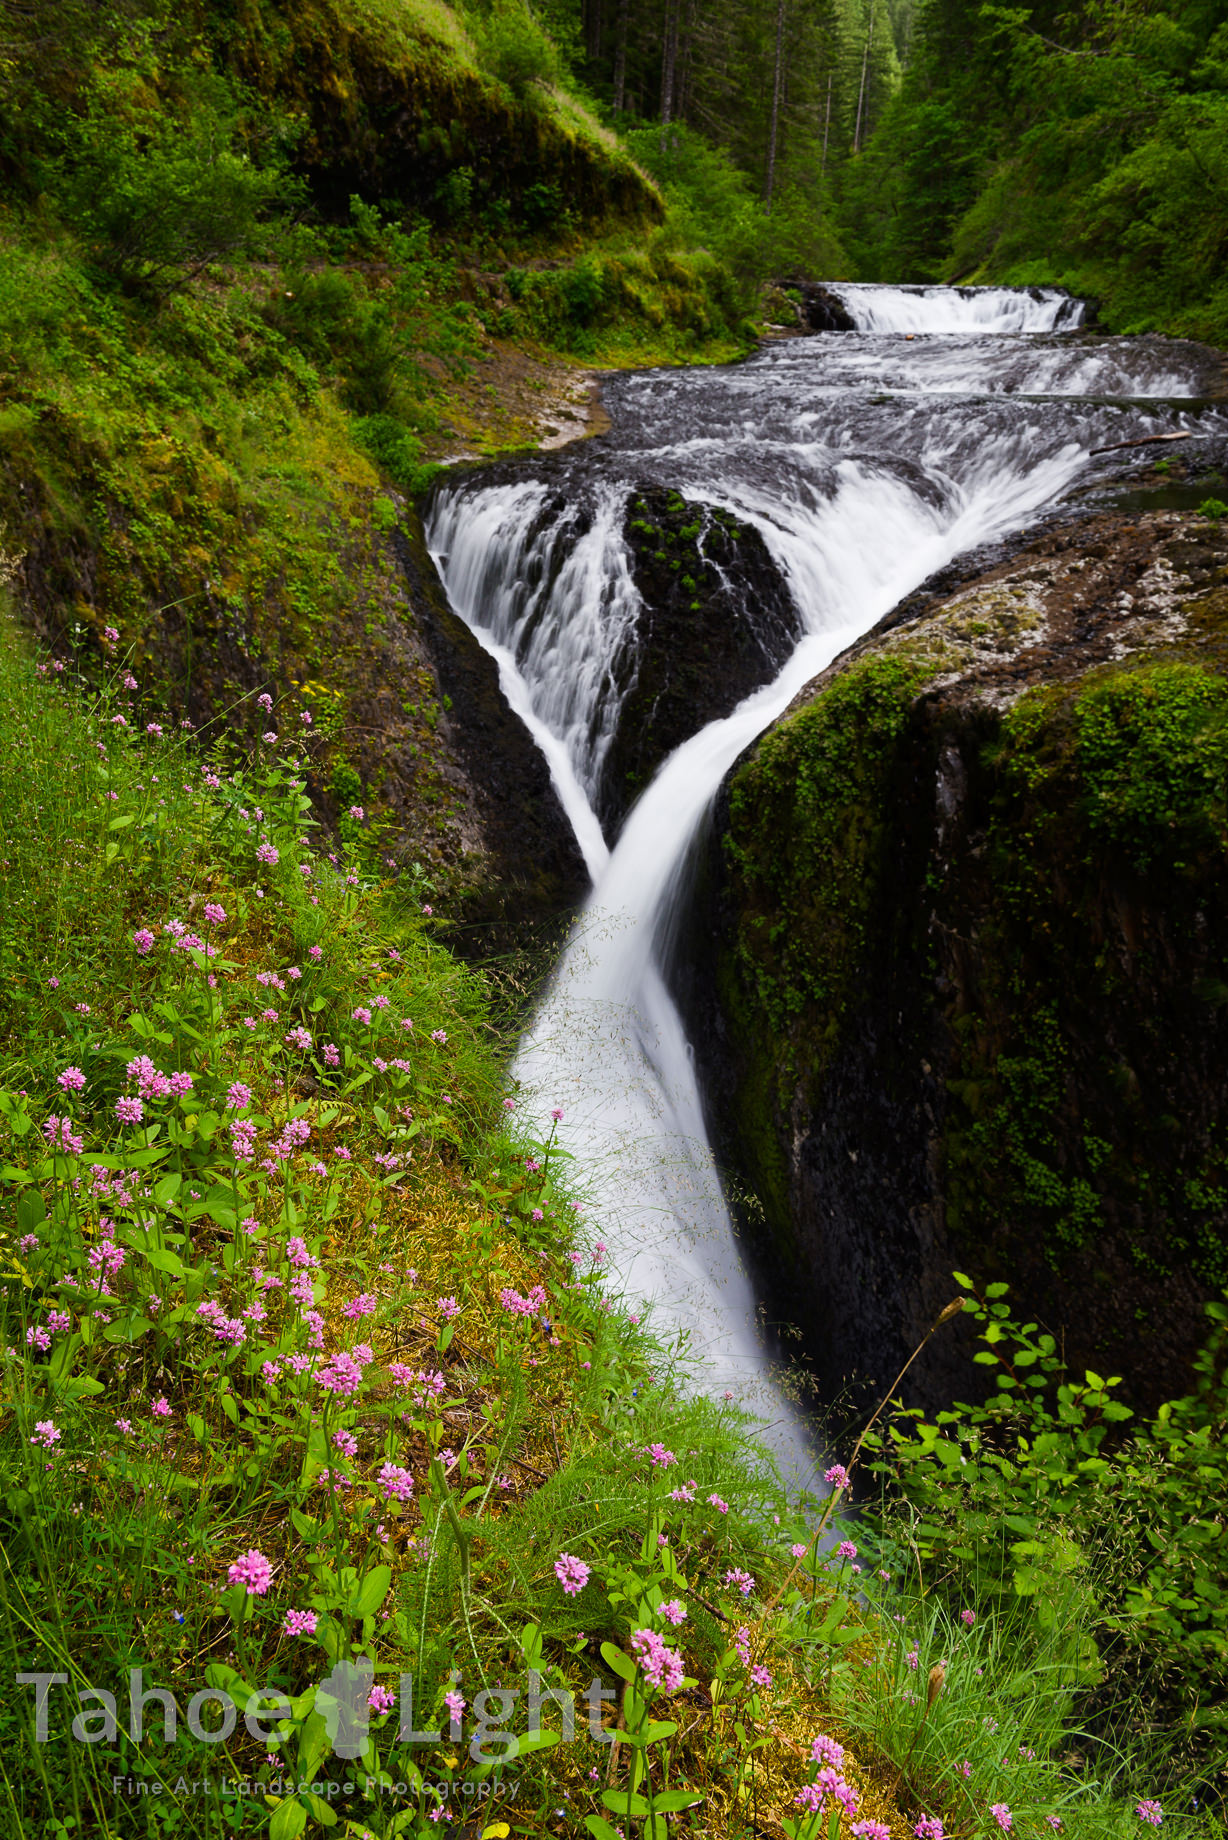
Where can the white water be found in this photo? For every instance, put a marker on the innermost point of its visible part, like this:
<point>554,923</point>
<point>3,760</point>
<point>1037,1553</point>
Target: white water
<point>859,496</point>
<point>958,310</point>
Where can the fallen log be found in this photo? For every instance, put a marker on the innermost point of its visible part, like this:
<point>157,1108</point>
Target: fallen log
<point>1146,441</point>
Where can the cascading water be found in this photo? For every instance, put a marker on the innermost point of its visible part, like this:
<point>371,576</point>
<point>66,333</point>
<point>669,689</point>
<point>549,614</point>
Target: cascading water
<point>866,460</point>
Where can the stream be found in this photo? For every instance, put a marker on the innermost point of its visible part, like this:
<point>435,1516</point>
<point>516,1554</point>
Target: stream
<point>866,461</point>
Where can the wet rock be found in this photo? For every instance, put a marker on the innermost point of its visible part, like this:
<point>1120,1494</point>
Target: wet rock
<point>957,968</point>
<point>818,308</point>
<point>717,622</point>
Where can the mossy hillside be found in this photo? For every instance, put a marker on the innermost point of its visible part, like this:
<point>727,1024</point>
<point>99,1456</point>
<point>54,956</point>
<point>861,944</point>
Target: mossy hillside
<point>216,459</point>
<point>404,99</point>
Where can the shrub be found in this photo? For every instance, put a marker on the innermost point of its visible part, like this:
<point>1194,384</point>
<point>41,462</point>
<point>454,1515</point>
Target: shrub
<point>159,197</point>
<point>517,50</point>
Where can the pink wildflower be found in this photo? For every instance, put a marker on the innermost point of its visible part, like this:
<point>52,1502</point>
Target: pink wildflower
<point>300,1623</point>
<point>253,1570</point>
<point>572,1573</point>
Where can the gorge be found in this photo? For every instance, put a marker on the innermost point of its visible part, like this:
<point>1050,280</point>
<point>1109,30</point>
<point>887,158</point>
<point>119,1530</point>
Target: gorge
<point>859,464</point>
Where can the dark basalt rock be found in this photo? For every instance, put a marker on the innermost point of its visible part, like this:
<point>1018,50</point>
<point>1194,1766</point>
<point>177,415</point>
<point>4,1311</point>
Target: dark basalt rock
<point>1000,1047</point>
<point>818,310</point>
<point>717,622</point>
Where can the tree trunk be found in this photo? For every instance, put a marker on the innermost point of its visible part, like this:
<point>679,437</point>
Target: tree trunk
<point>778,74</point>
<point>593,10</point>
<point>620,57</point>
<point>682,86</point>
<point>669,62</point>
<point>861,92</point>
<point>826,127</point>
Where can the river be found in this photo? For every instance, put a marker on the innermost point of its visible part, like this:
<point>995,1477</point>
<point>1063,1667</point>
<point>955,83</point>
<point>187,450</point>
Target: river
<point>866,460</point>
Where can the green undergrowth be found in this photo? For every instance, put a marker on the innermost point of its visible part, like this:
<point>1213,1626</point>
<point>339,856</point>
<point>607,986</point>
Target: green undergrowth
<point>316,1393</point>
<point>257,262</point>
<point>1107,1531</point>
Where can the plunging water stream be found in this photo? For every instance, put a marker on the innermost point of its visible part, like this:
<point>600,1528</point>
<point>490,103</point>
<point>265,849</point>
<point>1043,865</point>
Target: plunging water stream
<point>866,460</point>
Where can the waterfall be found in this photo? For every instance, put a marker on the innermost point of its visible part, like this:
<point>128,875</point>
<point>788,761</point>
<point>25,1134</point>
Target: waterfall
<point>958,310</point>
<point>866,462</point>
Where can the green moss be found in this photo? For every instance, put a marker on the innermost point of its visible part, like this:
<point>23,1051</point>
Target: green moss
<point>1105,845</point>
<point>809,825</point>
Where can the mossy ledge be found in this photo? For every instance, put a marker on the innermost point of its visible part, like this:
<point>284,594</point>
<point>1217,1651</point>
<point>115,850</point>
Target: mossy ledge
<point>959,964</point>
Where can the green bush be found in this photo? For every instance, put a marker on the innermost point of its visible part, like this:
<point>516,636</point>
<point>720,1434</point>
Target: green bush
<point>1041,1494</point>
<point>160,195</point>
<point>517,50</point>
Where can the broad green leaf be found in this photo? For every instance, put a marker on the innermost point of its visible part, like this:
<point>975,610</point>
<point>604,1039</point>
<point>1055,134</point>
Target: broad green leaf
<point>617,1661</point>
<point>288,1821</point>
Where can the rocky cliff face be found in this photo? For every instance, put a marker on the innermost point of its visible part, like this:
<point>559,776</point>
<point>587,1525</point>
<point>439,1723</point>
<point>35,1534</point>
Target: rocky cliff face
<point>959,967</point>
<point>716,622</point>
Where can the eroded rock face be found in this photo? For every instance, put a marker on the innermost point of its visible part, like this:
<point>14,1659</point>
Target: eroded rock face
<point>717,622</point>
<point>960,983</point>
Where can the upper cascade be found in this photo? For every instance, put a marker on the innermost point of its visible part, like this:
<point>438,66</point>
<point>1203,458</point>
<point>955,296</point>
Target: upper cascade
<point>879,308</point>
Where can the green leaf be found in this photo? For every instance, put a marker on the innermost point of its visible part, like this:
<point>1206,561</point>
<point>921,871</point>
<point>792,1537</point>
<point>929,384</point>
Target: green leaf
<point>673,1800</point>
<point>163,1260</point>
<point>31,1211</point>
<point>289,1820</point>
<point>600,1828</point>
<point>620,1802</point>
<point>373,1592</point>
<point>619,1663</point>
<point>311,1743</point>
<point>122,822</point>
<point>128,1329</point>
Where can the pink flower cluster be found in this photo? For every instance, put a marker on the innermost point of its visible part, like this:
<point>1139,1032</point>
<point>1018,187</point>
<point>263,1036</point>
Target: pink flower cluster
<point>225,1328</point>
<point>151,1084</point>
<point>662,1666</point>
<point>659,1457</point>
<point>59,1135</point>
<point>572,1573</point>
<point>341,1375</point>
<point>828,1782</point>
<point>516,1305</point>
<point>397,1483</point>
<point>252,1570</point>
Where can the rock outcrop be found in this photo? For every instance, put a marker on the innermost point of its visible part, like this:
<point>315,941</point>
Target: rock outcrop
<point>959,969</point>
<point>717,621</point>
